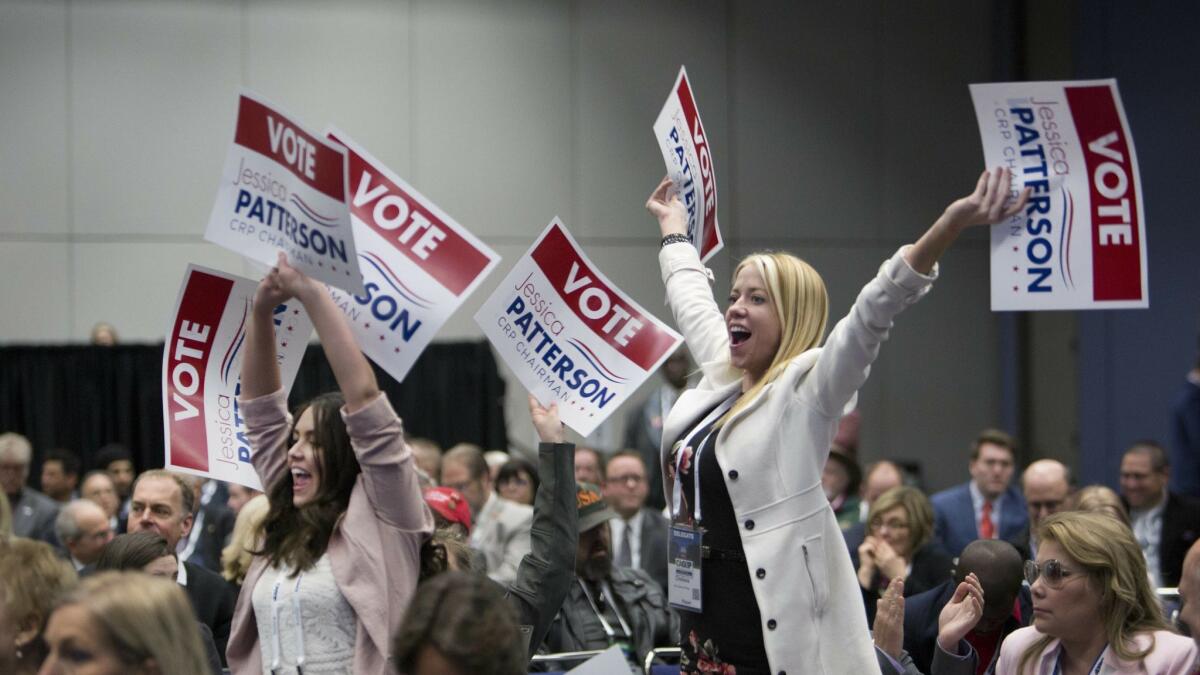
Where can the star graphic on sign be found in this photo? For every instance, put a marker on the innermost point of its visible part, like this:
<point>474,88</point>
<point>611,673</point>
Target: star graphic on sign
<point>381,338</point>
<point>320,264</point>
<point>284,343</point>
<point>397,350</point>
<point>289,329</point>
<point>295,311</point>
<point>333,267</point>
<point>1015,249</point>
<point>1015,269</point>
<point>1014,289</point>
<point>366,325</point>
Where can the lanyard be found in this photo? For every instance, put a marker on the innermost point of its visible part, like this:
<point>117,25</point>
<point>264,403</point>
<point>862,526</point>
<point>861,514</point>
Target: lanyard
<point>1095,669</point>
<point>608,597</point>
<point>277,642</point>
<point>677,490</point>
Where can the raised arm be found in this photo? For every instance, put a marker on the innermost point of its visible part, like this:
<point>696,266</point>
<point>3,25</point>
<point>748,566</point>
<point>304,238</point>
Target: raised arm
<point>260,372</point>
<point>354,376</point>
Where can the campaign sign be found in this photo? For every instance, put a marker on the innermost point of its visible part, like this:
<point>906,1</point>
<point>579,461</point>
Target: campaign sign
<point>686,153</point>
<point>284,189</point>
<point>202,369</point>
<point>570,334</point>
<point>1081,241</point>
<point>418,264</point>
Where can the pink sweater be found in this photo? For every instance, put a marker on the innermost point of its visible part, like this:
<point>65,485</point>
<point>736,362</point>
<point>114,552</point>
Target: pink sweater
<point>375,547</point>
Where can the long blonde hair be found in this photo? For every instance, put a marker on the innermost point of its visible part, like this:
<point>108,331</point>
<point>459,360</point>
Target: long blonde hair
<point>246,538</point>
<point>143,618</point>
<point>5,519</point>
<point>801,303</point>
<point>1115,568</point>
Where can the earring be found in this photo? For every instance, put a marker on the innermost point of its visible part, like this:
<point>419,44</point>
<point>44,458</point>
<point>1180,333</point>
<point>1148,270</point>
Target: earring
<point>18,650</point>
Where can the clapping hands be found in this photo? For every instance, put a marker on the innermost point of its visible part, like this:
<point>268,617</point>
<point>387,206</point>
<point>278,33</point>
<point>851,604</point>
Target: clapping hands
<point>961,614</point>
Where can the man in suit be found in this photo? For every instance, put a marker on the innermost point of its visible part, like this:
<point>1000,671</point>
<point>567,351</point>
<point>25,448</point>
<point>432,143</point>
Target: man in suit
<point>83,528</point>
<point>1046,485</point>
<point>212,526</point>
<point>33,513</point>
<point>1164,523</point>
<point>501,527</point>
<point>639,534</point>
<point>1007,604</point>
<point>60,475</point>
<point>986,507</point>
<point>163,502</point>
<point>643,425</point>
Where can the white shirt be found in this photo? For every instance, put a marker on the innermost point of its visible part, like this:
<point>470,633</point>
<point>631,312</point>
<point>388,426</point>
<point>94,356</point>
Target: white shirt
<point>321,626</point>
<point>1147,529</point>
<point>617,528</point>
<point>977,500</point>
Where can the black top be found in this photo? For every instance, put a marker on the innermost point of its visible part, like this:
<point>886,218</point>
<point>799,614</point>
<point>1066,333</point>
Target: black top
<point>729,631</point>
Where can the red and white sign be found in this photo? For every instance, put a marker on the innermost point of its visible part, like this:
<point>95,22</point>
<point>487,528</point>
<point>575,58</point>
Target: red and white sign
<point>687,154</point>
<point>570,334</point>
<point>284,189</point>
<point>1081,241</point>
<point>418,264</point>
<point>203,428</point>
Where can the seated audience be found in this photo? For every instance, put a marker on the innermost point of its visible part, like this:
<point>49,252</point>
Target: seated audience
<point>1099,499</point>
<point>459,624</point>
<point>1047,485</point>
<point>880,477</point>
<point>450,510</point>
<point>997,566</point>
<point>840,479</point>
<point>589,466</point>
<point>84,530</point>
<point>116,460</point>
<point>1093,607</point>
<point>988,506</point>
<point>501,527</point>
<point>899,545</point>
<point>245,540</point>
<point>32,577</point>
<point>239,495</point>
<point>98,487</point>
<point>952,654</point>
<point>343,533</point>
<point>164,503</point>
<point>33,512</point>
<point>517,481</point>
<point>639,533</point>
<point>609,604</point>
<point>118,623</point>
<point>60,475</point>
<point>1165,524</point>
<point>211,527</point>
<point>429,460</point>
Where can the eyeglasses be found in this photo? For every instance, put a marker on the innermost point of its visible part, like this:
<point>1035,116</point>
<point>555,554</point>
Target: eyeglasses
<point>1051,571</point>
<point>631,479</point>
<point>1050,505</point>
<point>895,525</point>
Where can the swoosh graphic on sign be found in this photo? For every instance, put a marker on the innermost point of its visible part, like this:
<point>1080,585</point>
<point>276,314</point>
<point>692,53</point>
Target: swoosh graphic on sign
<point>318,219</point>
<point>234,346</point>
<point>393,280</point>
<point>1064,232</point>
<point>595,361</point>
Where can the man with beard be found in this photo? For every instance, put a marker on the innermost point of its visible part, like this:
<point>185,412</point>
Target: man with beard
<point>608,605</point>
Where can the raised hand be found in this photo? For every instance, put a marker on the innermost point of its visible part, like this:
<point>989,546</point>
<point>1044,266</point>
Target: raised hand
<point>667,208</point>
<point>961,614</point>
<point>888,630</point>
<point>985,205</point>
<point>890,563</point>
<point>545,420</point>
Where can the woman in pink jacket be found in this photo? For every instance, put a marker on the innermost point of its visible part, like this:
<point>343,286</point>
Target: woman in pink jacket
<point>1094,611</point>
<point>342,539</point>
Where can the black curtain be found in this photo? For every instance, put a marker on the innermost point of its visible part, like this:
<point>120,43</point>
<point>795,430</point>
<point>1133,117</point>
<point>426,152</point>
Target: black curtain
<point>82,397</point>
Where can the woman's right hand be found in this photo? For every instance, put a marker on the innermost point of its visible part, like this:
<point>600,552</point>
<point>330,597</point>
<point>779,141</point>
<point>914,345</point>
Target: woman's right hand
<point>668,209</point>
<point>961,614</point>
<point>281,284</point>
<point>545,420</point>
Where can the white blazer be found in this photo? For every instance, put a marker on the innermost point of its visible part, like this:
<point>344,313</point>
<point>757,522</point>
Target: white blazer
<point>772,453</point>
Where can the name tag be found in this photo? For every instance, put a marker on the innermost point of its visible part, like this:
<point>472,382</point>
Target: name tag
<point>683,568</point>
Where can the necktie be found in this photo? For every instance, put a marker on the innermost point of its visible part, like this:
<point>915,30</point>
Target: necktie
<point>625,556</point>
<point>986,529</point>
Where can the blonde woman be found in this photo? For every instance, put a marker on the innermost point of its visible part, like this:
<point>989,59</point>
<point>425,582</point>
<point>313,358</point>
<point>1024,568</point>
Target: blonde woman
<point>1093,608</point>
<point>32,577</point>
<point>778,593</point>
<point>898,546</point>
<point>118,623</point>
<point>246,538</point>
<point>1099,499</point>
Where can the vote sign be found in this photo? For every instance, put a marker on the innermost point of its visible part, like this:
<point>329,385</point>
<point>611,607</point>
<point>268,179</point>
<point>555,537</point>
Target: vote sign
<point>570,335</point>
<point>1080,243</point>
<point>685,152</point>
<point>418,264</point>
<point>203,428</point>
<point>284,189</point>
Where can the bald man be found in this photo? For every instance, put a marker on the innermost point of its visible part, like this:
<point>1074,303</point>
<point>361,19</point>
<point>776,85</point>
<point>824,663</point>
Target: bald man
<point>1046,484</point>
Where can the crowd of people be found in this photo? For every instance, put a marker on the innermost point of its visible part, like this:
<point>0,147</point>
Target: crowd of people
<point>373,552</point>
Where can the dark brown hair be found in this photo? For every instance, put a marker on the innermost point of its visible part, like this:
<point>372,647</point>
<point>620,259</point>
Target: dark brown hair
<point>994,437</point>
<point>468,621</point>
<point>295,536</point>
<point>133,551</point>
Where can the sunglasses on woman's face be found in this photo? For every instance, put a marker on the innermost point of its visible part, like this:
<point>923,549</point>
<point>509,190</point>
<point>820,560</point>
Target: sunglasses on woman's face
<point>1051,571</point>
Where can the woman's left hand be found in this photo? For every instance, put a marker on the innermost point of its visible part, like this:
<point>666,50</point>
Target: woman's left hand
<point>985,205</point>
<point>961,614</point>
<point>545,420</point>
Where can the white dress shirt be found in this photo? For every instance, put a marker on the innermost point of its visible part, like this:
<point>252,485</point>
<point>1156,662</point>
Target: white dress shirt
<point>617,528</point>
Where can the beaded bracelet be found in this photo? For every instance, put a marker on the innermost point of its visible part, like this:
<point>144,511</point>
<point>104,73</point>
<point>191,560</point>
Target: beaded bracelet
<point>674,239</point>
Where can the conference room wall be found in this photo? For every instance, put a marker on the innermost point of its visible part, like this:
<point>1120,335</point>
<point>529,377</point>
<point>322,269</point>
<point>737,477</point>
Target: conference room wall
<point>840,130</point>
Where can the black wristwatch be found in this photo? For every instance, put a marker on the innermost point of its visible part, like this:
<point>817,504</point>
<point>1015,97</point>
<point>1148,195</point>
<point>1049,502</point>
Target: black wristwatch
<point>674,239</point>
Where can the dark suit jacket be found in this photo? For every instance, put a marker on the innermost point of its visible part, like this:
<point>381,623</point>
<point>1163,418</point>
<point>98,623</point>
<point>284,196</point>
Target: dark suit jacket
<point>1185,441</point>
<point>1180,527</point>
<point>214,524</point>
<point>655,535</point>
<point>33,515</point>
<point>213,599</point>
<point>643,433</point>
<point>954,517</point>
<point>921,613</point>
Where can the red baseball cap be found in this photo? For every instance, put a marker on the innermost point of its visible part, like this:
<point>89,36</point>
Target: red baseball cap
<point>450,504</point>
